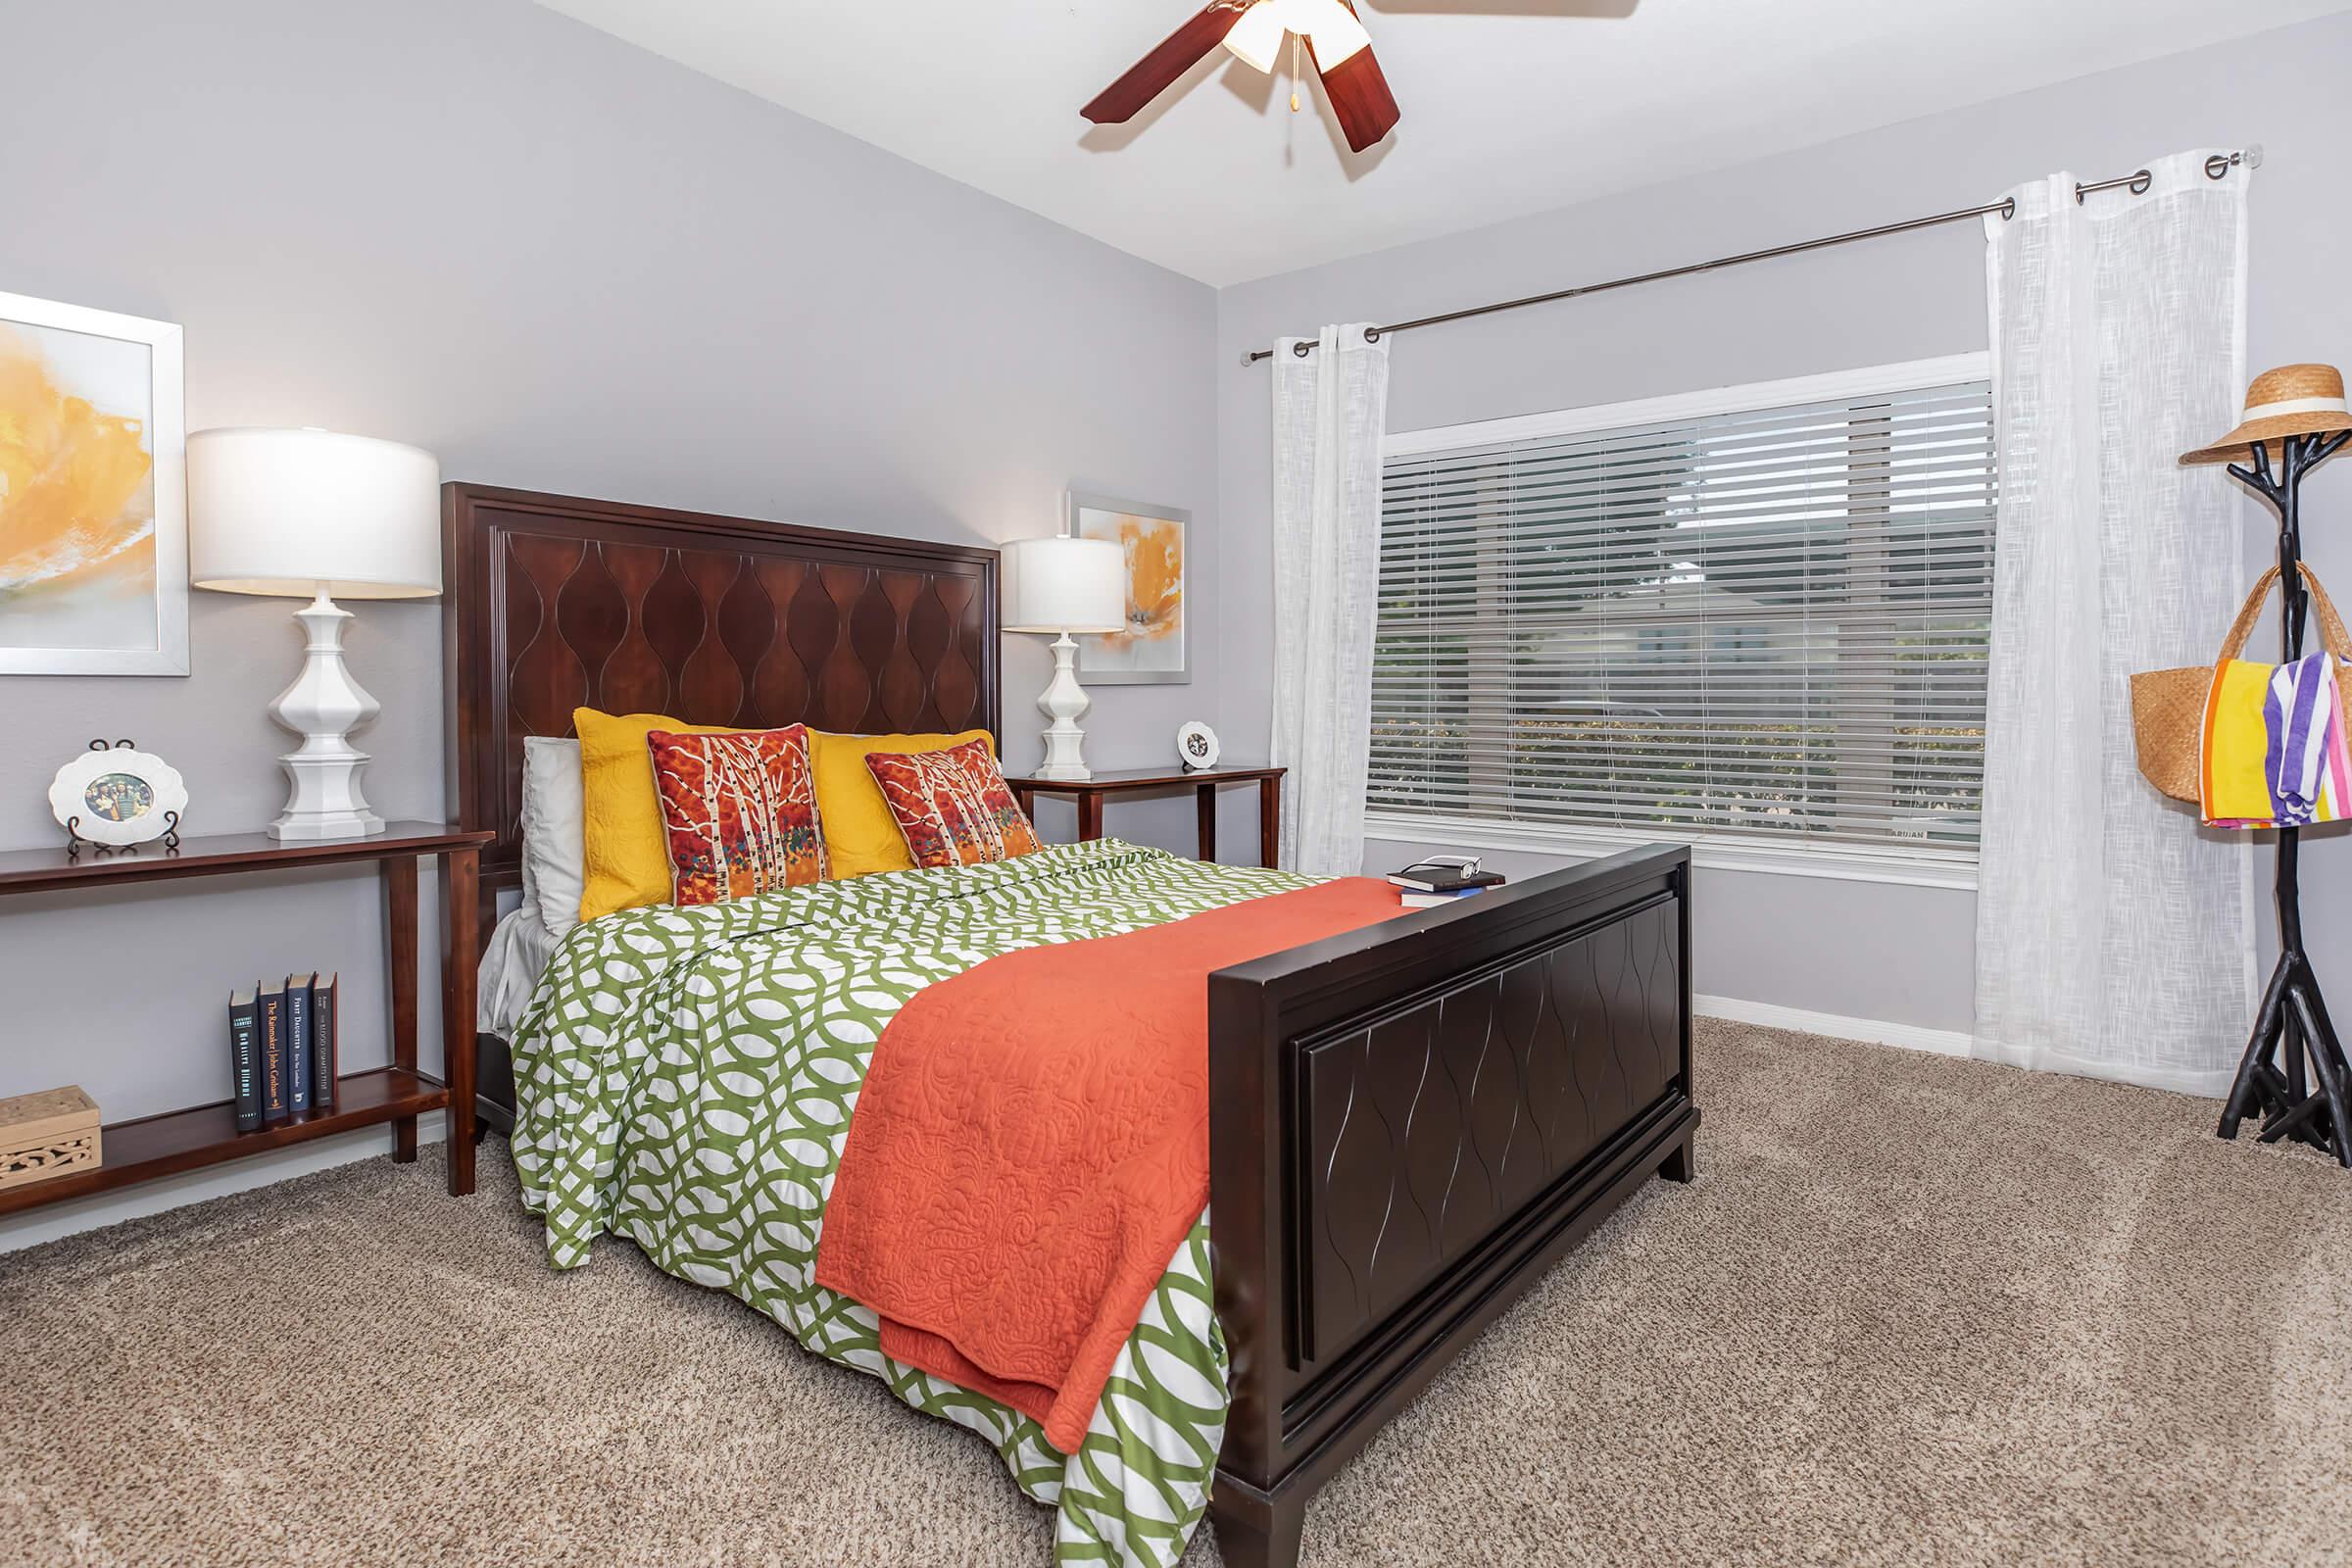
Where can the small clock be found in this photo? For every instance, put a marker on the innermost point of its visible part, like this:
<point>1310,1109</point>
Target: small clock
<point>117,795</point>
<point>1197,745</point>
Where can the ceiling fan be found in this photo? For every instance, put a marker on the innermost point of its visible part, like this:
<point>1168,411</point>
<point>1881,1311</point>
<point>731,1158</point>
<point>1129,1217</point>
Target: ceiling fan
<point>1254,31</point>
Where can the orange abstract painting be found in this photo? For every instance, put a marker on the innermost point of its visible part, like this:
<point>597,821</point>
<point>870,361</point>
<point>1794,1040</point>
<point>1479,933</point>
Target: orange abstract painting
<point>84,583</point>
<point>1152,646</point>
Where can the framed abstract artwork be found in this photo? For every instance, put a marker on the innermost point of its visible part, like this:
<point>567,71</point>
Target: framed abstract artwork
<point>1155,645</point>
<point>93,497</point>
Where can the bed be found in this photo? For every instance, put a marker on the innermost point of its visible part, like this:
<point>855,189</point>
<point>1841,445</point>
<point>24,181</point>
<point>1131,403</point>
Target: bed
<point>1407,1123</point>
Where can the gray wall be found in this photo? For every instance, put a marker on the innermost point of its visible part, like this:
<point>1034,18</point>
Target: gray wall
<point>557,263</point>
<point>1898,953</point>
<point>564,264</point>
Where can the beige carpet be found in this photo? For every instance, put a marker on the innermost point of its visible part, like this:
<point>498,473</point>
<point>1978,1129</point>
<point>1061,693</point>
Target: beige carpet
<point>1915,1310</point>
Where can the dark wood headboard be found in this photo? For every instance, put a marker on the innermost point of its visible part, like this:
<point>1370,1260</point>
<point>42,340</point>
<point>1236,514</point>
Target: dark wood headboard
<point>557,603</point>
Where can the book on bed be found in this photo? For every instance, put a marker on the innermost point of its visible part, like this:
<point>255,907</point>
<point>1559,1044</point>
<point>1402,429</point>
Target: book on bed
<point>1436,900</point>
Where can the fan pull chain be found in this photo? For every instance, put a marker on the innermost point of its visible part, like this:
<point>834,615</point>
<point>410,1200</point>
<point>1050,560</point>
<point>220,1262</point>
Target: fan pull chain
<point>1294,76</point>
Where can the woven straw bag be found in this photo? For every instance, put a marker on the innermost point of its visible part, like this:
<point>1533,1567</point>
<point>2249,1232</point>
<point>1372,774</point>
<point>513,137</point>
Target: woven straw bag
<point>2168,706</point>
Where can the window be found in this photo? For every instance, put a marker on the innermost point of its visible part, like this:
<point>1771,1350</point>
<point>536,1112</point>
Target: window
<point>1758,615</point>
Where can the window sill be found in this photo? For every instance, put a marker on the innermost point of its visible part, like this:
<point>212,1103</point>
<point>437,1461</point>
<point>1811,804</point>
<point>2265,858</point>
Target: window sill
<point>1846,863</point>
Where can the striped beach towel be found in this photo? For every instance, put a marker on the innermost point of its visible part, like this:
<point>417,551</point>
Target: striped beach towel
<point>2275,752</point>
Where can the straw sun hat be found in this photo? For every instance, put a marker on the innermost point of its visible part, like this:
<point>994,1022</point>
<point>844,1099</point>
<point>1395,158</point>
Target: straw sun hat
<point>2292,400</point>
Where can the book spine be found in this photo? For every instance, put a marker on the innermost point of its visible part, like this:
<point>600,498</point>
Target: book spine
<point>298,1043</point>
<point>274,1087</point>
<point>244,1061</point>
<point>325,1067</point>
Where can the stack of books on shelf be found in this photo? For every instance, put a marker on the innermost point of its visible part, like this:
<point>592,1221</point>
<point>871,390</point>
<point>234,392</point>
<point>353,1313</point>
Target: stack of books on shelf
<point>1442,880</point>
<point>282,1049</point>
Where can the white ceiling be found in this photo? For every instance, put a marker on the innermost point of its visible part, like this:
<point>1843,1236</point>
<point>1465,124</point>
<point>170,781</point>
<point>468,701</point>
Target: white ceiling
<point>1511,105</point>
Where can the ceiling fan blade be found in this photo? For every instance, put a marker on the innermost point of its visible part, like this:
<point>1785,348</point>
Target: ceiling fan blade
<point>1159,69</point>
<point>1359,95</point>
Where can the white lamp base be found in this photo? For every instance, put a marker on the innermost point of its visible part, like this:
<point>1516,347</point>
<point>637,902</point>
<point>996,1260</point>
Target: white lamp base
<point>322,707</point>
<point>1063,702</point>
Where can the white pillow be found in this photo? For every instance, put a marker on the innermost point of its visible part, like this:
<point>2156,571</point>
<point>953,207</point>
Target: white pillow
<point>555,858</point>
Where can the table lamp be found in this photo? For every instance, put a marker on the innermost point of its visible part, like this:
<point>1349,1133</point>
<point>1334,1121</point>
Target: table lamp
<point>313,515</point>
<point>1064,585</point>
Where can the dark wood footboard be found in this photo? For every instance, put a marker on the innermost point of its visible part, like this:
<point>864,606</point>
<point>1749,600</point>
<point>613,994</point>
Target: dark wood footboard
<point>1408,1125</point>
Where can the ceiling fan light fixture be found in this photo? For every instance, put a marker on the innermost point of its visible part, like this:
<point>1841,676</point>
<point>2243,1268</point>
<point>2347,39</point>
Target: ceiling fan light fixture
<point>1257,38</point>
<point>1255,32</point>
<point>1331,28</point>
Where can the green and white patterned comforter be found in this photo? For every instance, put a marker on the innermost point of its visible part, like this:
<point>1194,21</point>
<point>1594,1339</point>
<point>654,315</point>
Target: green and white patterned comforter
<point>686,1077</point>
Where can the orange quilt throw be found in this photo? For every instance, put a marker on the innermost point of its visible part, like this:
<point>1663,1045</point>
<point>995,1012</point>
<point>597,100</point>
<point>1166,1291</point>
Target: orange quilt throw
<point>952,807</point>
<point>738,813</point>
<point>1031,1143</point>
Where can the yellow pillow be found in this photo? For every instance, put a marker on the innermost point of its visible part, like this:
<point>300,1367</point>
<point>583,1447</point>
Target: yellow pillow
<point>627,859</point>
<point>861,837</point>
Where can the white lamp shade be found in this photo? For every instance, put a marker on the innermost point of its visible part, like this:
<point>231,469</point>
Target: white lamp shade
<point>1065,584</point>
<point>294,512</point>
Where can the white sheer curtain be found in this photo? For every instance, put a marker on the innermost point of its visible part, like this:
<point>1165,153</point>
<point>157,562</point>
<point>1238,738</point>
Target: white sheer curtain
<point>2114,936</point>
<point>1330,410</point>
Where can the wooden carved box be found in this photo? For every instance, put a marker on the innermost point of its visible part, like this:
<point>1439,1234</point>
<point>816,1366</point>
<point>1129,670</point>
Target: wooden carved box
<point>49,1133</point>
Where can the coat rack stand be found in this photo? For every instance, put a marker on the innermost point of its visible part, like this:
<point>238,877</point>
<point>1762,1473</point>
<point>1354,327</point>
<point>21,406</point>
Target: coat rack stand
<point>2294,1041</point>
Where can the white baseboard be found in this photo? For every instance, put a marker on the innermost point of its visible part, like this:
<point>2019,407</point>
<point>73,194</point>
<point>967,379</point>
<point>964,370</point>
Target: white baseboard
<point>1878,1032</point>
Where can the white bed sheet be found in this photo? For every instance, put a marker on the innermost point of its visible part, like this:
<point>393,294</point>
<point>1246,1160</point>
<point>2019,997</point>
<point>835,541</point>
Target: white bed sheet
<point>521,950</point>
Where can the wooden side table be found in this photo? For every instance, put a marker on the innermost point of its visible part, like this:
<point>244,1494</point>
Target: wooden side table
<point>207,1135</point>
<point>1090,793</point>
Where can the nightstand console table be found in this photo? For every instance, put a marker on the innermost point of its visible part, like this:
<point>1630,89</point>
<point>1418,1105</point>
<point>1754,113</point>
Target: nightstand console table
<point>180,1141</point>
<point>1205,781</point>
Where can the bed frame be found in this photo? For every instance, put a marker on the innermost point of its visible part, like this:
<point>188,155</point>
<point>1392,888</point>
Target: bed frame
<point>1408,1124</point>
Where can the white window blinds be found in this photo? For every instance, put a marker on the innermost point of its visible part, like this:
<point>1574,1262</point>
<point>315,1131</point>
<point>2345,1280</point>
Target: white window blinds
<point>1763,623</point>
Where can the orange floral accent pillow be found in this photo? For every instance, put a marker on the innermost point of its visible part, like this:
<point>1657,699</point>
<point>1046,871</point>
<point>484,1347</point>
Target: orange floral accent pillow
<point>738,813</point>
<point>952,807</point>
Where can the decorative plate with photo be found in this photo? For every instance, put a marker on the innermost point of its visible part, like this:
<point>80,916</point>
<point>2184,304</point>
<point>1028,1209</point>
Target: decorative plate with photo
<point>116,795</point>
<point>1197,745</point>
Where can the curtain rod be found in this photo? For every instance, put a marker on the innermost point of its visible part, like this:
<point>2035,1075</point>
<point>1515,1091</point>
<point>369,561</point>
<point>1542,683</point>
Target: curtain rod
<point>2216,167</point>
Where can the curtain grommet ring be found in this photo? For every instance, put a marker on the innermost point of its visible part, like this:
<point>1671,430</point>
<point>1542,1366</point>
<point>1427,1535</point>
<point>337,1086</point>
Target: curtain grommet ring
<point>1371,334</point>
<point>1301,348</point>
